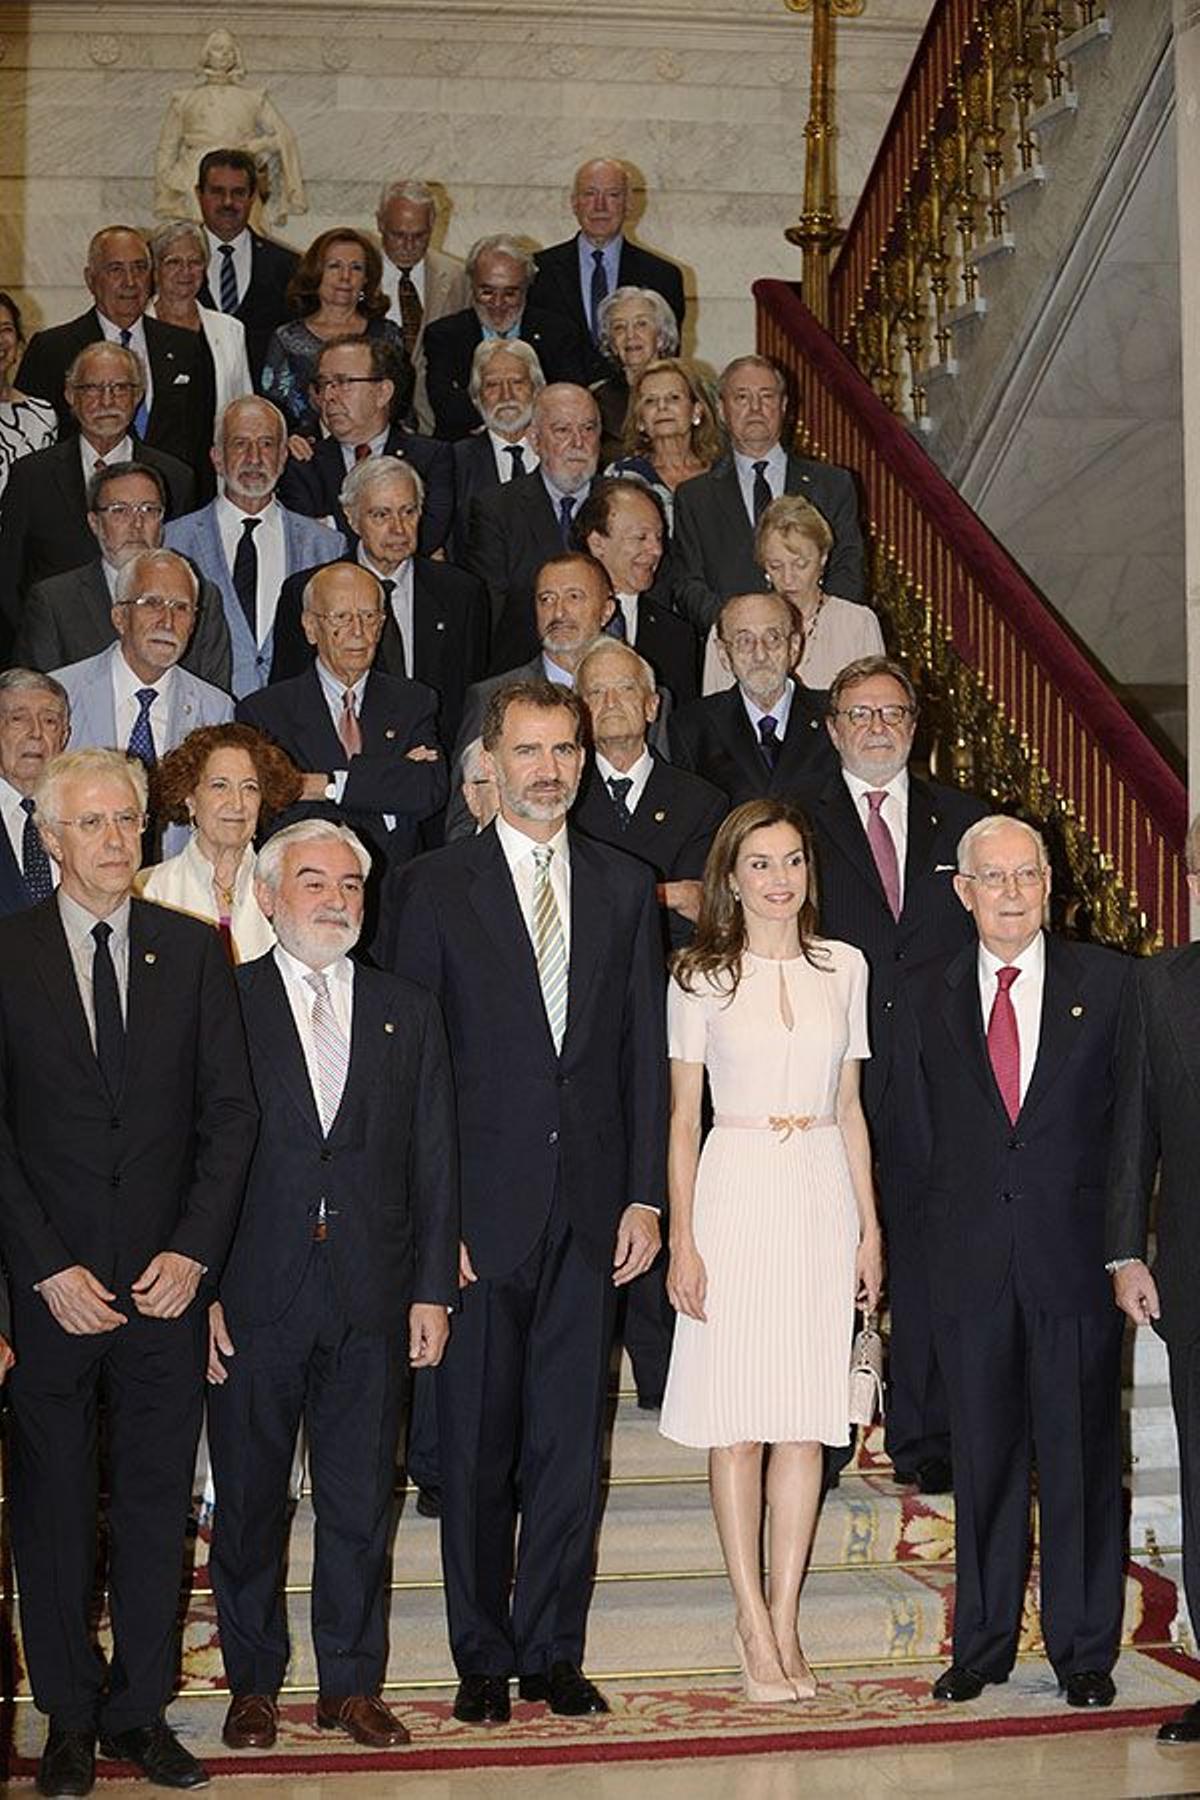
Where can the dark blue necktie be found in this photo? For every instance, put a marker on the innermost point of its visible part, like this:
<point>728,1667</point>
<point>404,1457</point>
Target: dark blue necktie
<point>762,490</point>
<point>566,511</point>
<point>141,416</point>
<point>229,293</point>
<point>141,738</point>
<point>106,1008</point>
<point>599,291</point>
<point>768,740</point>
<point>618,787</point>
<point>35,864</point>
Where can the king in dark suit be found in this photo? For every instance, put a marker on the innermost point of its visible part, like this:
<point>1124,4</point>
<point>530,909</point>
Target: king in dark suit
<point>341,1272</point>
<point>115,1207</point>
<point>543,948</point>
<point>1007,1053</point>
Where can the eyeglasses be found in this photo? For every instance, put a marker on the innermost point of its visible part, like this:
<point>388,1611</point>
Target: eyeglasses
<point>92,824</point>
<point>1029,875</point>
<point>133,509</point>
<point>342,621</point>
<point>158,603</point>
<point>119,390</point>
<point>773,639</point>
<point>325,384</point>
<point>887,715</point>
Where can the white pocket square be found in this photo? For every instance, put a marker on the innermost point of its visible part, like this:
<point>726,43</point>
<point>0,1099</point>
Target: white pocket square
<point>945,869</point>
<point>181,380</point>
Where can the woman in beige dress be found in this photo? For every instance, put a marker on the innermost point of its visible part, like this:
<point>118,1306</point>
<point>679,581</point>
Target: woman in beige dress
<point>774,1235</point>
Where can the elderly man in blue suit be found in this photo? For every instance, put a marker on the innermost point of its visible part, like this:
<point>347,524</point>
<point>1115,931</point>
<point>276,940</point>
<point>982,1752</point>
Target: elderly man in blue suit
<point>245,541</point>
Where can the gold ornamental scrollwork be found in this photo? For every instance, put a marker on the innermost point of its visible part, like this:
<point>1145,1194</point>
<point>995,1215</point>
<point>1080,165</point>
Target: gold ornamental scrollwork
<point>844,9</point>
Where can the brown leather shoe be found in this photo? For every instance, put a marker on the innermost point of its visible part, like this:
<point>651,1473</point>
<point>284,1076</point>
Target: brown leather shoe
<point>251,1723</point>
<point>365,1718</point>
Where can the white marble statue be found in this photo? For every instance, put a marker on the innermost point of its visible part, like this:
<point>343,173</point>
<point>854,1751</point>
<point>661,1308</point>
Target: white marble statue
<point>218,113</point>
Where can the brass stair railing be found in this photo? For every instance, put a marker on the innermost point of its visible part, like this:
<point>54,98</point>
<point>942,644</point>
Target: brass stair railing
<point>1018,709</point>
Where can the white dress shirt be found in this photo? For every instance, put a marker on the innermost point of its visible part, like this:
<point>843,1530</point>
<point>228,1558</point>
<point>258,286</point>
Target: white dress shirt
<point>243,260</point>
<point>775,472</point>
<point>639,774</point>
<point>339,976</point>
<point>122,452</point>
<point>14,816</point>
<point>401,599</point>
<point>126,705</point>
<point>504,462</point>
<point>1025,994</point>
<point>375,445</point>
<point>78,924</point>
<point>628,604</point>
<point>893,812</point>
<point>518,851</point>
<point>272,554</point>
<point>781,712</point>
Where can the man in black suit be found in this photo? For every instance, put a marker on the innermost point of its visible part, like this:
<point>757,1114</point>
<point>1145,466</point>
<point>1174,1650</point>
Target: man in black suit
<point>500,271</point>
<point>255,290</point>
<point>506,379</point>
<point>886,844</point>
<point>435,623</point>
<point>35,723</point>
<point>367,742</point>
<point>715,514</point>
<point>115,1206</point>
<point>767,734</point>
<point>175,408</point>
<point>69,617</point>
<point>340,1274</point>
<point>543,948</point>
<point>575,276</point>
<point>1156,1130</point>
<point>515,528</point>
<point>1006,1050</point>
<point>621,523</point>
<point>44,525</point>
<point>355,388</point>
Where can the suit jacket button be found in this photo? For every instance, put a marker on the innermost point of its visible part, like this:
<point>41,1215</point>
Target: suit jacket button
<point>327,1156</point>
<point>114,1181</point>
<point>1007,1199</point>
<point>114,1124</point>
<point>562,1080</point>
<point>552,1139</point>
<point>888,1005</point>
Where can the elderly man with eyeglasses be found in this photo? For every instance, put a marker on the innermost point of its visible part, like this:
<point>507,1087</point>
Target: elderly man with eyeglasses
<point>886,839</point>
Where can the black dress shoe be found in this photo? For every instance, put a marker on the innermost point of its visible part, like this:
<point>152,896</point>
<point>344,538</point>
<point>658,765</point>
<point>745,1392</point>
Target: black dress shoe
<point>429,1503</point>
<point>68,1764</point>
<point>649,1402</point>
<point>566,1691</point>
<point>1183,1730</point>
<point>934,1475</point>
<point>483,1700</point>
<point>1090,1687</point>
<point>158,1753</point>
<point>957,1683</point>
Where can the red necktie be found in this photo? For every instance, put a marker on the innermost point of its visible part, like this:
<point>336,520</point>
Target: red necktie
<point>883,849</point>
<point>361,452</point>
<point>349,730</point>
<point>1004,1045</point>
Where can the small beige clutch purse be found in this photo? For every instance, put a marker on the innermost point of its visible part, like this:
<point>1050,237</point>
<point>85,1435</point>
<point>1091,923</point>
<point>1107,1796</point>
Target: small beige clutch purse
<point>866,1374</point>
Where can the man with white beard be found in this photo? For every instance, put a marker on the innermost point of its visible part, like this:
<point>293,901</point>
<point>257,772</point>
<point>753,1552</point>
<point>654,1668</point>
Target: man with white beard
<point>506,379</point>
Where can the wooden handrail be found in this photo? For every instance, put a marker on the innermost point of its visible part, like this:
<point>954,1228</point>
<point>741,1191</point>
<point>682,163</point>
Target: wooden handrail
<point>1058,739</point>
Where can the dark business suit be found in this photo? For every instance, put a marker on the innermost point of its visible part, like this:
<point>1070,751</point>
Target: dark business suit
<point>44,526</point>
<point>313,487</point>
<point>69,617</point>
<point>552,1149</point>
<point>321,1329</point>
<point>180,422</point>
<point>671,647</point>
<point>556,287</point>
<point>264,304</point>
<point>1028,1337</point>
<point>932,922</point>
<point>449,648</point>
<point>475,473</point>
<point>450,345</point>
<point>14,895</point>
<point>109,1181</point>
<point>1157,1128</point>
<point>714,738</point>
<point>713,539</point>
<point>513,530</point>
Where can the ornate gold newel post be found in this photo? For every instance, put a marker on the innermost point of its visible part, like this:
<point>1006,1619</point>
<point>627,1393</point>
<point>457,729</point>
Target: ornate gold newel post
<point>817,231</point>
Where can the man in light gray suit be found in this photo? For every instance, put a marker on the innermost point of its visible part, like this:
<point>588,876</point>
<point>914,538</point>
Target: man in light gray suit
<point>134,696</point>
<point>245,541</point>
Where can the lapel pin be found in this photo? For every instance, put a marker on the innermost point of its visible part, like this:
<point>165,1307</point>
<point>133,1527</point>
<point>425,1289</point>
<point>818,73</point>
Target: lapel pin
<point>389,733</point>
<point>1077,1012</point>
<point>441,624</point>
<point>150,957</point>
<point>659,816</point>
<point>933,818</point>
<point>388,1027</point>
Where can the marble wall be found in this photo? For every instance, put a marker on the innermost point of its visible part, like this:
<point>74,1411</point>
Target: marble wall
<point>496,102</point>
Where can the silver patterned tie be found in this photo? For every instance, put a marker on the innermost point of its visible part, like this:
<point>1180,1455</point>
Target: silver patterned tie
<point>333,1052</point>
<point>549,947</point>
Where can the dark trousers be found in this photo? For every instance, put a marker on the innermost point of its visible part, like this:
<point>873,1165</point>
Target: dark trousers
<point>348,1386</point>
<point>648,1329</point>
<point>149,1374</point>
<point>917,1422</point>
<point>520,1398</point>
<point>422,1463</point>
<point>1025,1384</point>
<point>1185,1403</point>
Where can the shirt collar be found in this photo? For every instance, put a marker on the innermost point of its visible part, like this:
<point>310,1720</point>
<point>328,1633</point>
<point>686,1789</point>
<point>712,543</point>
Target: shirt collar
<point>228,510</point>
<point>397,574</point>
<point>897,787</point>
<point>334,689</point>
<point>1032,960</point>
<point>516,845</point>
<point>638,772</point>
<point>775,458</point>
<point>780,712</point>
<point>128,684</point>
<point>554,673</point>
<point>78,922</point>
<point>340,972</point>
<point>235,243</point>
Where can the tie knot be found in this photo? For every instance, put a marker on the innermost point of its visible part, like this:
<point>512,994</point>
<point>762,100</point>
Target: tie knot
<point>225,249</point>
<point>361,452</point>
<point>760,468</point>
<point>876,798</point>
<point>597,257</point>
<point>541,856</point>
<point>250,526</point>
<point>619,786</point>
<point>1006,976</point>
<point>27,805</point>
<point>348,699</point>
<point>146,697</point>
<point>318,983</point>
<point>767,726</point>
<point>101,932</point>
<point>389,588</point>
<point>126,334</point>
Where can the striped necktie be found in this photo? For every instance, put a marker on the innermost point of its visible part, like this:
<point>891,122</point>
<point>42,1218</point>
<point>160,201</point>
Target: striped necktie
<point>333,1052</point>
<point>142,416</point>
<point>549,947</point>
<point>229,288</point>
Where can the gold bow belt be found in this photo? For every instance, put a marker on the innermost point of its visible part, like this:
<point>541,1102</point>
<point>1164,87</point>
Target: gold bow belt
<point>783,1123</point>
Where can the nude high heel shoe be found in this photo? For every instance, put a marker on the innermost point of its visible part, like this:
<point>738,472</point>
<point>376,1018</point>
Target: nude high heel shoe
<point>760,1693</point>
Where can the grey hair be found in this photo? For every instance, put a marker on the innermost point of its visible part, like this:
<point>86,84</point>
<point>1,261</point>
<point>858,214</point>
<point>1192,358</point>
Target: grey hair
<point>484,352</point>
<point>994,822</point>
<point>603,644</point>
<point>468,763</point>
<point>93,763</point>
<point>131,574</point>
<point>268,867</point>
<point>29,681</point>
<point>419,192</point>
<point>1191,847</point>
<point>133,361</point>
<point>98,237</point>
<point>754,361</point>
<point>666,326</point>
<point>247,400</point>
<point>501,244</point>
<point>368,473</point>
<point>170,233</point>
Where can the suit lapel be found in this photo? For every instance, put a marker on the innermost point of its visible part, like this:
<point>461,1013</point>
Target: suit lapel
<point>963,1017</point>
<point>277,1026</point>
<point>1064,1020</point>
<point>733,520</point>
<point>588,918</point>
<point>494,900</point>
<point>922,828</point>
<point>740,741</point>
<point>842,824</point>
<point>315,729</point>
<point>69,472</point>
<point>94,596</point>
<point>57,973</point>
<point>429,630</point>
<point>1183,1017</point>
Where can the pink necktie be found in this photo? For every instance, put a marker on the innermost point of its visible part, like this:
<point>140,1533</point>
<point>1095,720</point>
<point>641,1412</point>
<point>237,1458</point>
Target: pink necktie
<point>1004,1045</point>
<point>349,729</point>
<point>883,849</point>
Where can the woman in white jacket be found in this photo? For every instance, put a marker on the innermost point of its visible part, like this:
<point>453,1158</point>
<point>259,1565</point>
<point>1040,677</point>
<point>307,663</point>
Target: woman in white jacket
<point>180,252</point>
